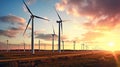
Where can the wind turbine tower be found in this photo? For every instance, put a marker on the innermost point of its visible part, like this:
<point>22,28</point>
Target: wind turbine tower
<point>32,16</point>
<point>24,46</point>
<point>53,35</point>
<point>83,45</point>
<point>63,44</point>
<point>60,28</point>
<point>74,45</point>
<point>7,46</point>
<point>39,45</point>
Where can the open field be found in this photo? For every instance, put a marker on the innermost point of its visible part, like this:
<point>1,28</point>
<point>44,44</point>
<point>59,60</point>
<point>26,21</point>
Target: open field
<point>81,58</point>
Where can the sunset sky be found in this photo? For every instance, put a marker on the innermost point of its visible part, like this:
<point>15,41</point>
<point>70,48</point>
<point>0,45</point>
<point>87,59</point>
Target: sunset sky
<point>96,23</point>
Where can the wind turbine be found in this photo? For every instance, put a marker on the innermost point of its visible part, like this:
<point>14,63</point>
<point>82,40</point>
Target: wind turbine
<point>53,35</point>
<point>74,45</point>
<point>24,45</point>
<point>44,47</point>
<point>39,45</point>
<point>60,28</point>
<point>7,46</point>
<point>82,45</point>
<point>63,44</point>
<point>32,16</point>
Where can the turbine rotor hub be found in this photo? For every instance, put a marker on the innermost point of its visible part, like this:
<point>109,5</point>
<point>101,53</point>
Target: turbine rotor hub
<point>32,16</point>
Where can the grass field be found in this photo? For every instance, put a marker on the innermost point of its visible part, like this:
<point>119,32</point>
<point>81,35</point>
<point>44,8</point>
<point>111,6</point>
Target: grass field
<point>88,58</point>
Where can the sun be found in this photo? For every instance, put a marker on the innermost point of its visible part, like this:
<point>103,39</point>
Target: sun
<point>111,44</point>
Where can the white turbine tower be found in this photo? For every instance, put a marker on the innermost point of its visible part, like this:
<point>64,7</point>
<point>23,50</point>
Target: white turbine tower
<point>32,16</point>
<point>82,46</point>
<point>74,43</point>
<point>7,46</point>
<point>24,45</point>
<point>63,44</point>
<point>60,28</point>
<point>53,35</point>
<point>39,45</point>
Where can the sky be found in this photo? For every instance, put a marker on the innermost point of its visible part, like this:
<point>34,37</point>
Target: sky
<point>94,23</point>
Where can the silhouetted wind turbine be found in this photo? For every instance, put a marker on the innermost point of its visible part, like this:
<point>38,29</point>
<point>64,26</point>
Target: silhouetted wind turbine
<point>39,45</point>
<point>7,46</point>
<point>24,45</point>
<point>74,45</point>
<point>32,16</point>
<point>44,47</point>
<point>82,45</point>
<point>53,35</point>
<point>63,44</point>
<point>60,28</point>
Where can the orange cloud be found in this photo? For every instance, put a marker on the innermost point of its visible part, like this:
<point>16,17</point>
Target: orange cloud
<point>104,13</point>
<point>11,32</point>
<point>28,2</point>
<point>91,35</point>
<point>12,19</point>
<point>61,5</point>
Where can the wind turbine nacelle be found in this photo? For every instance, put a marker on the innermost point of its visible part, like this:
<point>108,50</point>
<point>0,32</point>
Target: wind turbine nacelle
<point>53,34</point>
<point>59,21</point>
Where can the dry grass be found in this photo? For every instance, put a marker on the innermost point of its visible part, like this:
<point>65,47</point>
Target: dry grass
<point>63,59</point>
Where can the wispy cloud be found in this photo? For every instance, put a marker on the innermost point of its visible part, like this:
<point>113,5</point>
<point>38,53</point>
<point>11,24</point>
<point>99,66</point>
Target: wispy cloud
<point>90,7</point>
<point>45,36</point>
<point>39,31</point>
<point>28,2</point>
<point>11,32</point>
<point>41,35</point>
<point>12,19</point>
<point>104,13</point>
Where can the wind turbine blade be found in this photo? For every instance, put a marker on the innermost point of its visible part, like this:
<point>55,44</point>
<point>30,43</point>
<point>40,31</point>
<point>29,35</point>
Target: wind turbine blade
<point>58,15</point>
<point>65,20</point>
<point>53,30</point>
<point>27,25</point>
<point>41,18</point>
<point>62,28</point>
<point>27,7</point>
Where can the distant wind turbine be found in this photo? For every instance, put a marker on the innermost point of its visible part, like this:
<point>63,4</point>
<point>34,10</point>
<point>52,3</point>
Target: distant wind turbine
<point>44,47</point>
<point>39,45</point>
<point>74,45</point>
<point>63,44</point>
<point>60,28</point>
<point>24,45</point>
<point>53,35</point>
<point>7,46</point>
<point>32,16</point>
<point>82,46</point>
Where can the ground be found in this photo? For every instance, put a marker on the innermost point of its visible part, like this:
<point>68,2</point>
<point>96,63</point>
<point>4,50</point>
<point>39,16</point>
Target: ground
<point>83,58</point>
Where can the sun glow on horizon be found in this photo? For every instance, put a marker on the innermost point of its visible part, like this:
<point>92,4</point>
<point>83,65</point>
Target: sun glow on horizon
<point>111,46</point>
